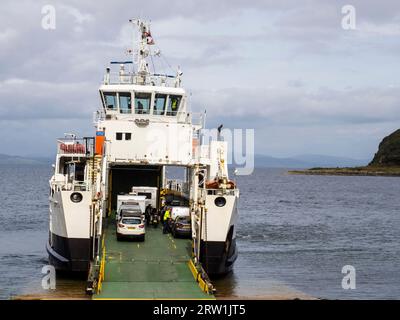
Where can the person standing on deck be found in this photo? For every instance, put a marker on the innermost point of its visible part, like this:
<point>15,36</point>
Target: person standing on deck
<point>148,213</point>
<point>162,211</point>
<point>167,217</point>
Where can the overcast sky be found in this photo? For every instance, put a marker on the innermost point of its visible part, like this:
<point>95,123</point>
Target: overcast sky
<point>285,68</point>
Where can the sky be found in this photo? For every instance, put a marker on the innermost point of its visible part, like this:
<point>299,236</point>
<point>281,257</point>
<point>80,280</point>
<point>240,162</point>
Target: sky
<point>287,69</point>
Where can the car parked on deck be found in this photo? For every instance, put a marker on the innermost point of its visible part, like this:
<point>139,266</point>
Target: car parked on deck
<point>182,227</point>
<point>131,226</point>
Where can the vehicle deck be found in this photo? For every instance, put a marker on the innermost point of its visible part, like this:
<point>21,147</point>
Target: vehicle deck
<point>154,269</point>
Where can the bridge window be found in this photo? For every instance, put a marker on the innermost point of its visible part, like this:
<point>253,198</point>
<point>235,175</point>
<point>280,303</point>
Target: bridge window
<point>118,136</point>
<point>125,102</point>
<point>173,105</point>
<point>142,103</point>
<point>159,104</point>
<point>128,136</point>
<point>110,100</point>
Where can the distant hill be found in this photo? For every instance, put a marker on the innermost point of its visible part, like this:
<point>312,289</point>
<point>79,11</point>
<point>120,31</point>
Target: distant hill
<point>388,153</point>
<point>386,162</point>
<point>331,161</point>
<point>18,160</point>
<point>306,161</point>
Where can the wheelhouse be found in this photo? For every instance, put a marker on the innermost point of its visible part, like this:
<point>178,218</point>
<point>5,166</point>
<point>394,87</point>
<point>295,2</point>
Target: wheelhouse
<point>120,101</point>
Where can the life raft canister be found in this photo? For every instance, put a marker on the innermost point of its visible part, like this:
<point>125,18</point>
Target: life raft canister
<point>72,148</point>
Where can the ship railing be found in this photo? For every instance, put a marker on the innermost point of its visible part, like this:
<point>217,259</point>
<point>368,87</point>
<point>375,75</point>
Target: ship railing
<point>70,186</point>
<point>98,115</point>
<point>219,192</point>
<point>183,117</point>
<point>175,184</point>
<point>80,186</point>
<point>75,146</point>
<point>180,116</point>
<point>161,80</point>
<point>198,119</point>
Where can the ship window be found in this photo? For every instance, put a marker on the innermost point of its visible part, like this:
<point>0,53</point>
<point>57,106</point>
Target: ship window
<point>159,104</point>
<point>220,201</point>
<point>128,136</point>
<point>76,197</point>
<point>125,103</point>
<point>118,136</point>
<point>173,105</point>
<point>110,99</point>
<point>142,103</point>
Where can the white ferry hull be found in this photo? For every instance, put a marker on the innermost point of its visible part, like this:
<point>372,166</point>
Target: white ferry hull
<point>69,245</point>
<point>218,251</point>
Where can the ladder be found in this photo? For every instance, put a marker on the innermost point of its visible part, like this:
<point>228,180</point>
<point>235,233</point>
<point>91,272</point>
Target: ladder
<point>93,165</point>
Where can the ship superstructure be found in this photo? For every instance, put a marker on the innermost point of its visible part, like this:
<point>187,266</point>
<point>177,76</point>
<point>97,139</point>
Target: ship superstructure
<point>143,126</point>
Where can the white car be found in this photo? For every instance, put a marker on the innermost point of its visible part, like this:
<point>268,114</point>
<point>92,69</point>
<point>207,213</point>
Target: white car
<point>129,208</point>
<point>131,226</point>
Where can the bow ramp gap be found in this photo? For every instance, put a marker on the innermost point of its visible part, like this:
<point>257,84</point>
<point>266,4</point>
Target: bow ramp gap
<point>154,269</point>
<point>123,177</point>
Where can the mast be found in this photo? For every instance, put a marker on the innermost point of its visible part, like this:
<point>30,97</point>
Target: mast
<point>143,49</point>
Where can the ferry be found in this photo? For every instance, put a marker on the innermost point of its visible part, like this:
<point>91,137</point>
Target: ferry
<point>143,127</point>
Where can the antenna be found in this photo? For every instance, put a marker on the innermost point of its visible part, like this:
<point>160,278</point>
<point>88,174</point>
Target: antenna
<point>145,41</point>
<point>142,42</point>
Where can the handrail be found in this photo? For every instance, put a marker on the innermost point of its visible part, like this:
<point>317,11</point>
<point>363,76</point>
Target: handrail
<point>74,146</point>
<point>71,186</point>
<point>193,118</point>
<point>136,79</point>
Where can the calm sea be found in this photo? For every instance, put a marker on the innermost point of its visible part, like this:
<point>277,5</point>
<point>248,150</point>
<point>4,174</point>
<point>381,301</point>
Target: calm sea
<point>295,234</point>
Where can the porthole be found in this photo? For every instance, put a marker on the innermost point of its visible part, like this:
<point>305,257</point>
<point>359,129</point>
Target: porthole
<point>220,201</point>
<point>76,197</point>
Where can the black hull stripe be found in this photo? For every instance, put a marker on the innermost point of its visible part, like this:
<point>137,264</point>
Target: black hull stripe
<point>216,259</point>
<point>70,254</point>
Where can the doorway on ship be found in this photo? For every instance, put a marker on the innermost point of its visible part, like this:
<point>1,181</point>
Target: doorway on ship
<point>123,177</point>
<point>176,185</point>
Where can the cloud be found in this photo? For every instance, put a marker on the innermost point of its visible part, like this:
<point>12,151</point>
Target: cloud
<point>28,99</point>
<point>79,17</point>
<point>7,35</point>
<point>260,63</point>
<point>296,107</point>
<point>385,30</point>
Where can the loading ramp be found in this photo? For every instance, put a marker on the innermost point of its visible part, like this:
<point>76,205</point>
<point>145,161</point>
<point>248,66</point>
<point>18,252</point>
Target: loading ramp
<point>157,268</point>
